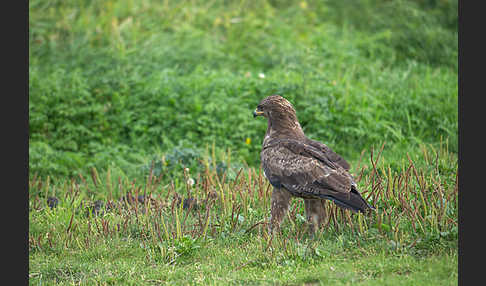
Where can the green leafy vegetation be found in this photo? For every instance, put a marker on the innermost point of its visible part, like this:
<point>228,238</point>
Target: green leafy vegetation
<point>137,107</point>
<point>117,82</point>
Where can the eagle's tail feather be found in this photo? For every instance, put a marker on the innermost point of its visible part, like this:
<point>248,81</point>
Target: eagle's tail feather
<point>355,202</point>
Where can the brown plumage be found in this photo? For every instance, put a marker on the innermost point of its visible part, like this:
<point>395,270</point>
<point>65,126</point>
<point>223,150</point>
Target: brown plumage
<point>298,166</point>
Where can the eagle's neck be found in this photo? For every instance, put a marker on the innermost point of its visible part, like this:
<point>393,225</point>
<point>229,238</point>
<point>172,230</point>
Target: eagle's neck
<point>283,126</point>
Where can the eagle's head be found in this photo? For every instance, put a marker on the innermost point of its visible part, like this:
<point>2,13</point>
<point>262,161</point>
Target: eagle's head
<point>282,119</point>
<point>274,106</point>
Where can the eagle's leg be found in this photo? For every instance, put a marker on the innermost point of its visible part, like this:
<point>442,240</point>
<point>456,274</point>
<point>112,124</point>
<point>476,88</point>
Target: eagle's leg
<point>315,210</point>
<point>279,207</point>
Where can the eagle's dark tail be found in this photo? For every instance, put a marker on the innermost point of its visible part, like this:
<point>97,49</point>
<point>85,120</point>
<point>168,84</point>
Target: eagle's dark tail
<point>352,201</point>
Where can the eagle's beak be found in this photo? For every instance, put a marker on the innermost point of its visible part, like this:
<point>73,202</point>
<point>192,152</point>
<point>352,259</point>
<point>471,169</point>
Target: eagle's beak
<point>257,113</point>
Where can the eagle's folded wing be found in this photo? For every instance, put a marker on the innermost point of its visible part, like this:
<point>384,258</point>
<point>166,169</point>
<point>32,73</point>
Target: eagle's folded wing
<point>307,172</point>
<point>333,156</point>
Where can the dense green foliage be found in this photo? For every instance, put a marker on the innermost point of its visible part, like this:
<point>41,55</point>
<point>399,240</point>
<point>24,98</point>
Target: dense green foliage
<point>119,82</point>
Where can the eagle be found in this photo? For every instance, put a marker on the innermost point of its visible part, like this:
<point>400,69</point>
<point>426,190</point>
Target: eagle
<point>297,166</point>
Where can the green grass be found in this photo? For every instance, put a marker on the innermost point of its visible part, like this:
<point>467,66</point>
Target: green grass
<point>224,263</point>
<point>139,96</point>
<point>410,240</point>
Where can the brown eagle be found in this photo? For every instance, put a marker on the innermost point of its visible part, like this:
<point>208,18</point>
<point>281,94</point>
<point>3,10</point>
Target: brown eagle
<point>298,166</point>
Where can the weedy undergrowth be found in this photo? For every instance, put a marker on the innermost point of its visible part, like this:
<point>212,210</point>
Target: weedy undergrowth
<point>416,210</point>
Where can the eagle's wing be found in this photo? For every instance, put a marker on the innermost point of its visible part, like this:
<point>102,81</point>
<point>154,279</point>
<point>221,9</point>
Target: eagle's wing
<point>333,156</point>
<point>307,172</point>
